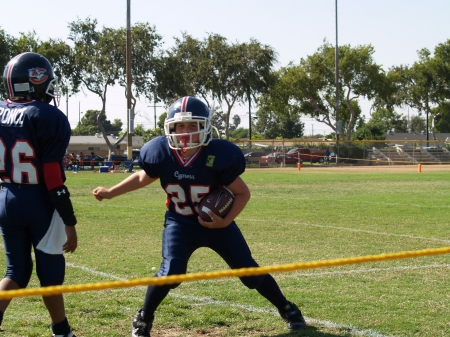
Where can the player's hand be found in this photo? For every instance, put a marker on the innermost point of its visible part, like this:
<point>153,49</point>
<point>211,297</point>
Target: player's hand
<point>216,222</point>
<point>101,193</point>
<point>72,239</point>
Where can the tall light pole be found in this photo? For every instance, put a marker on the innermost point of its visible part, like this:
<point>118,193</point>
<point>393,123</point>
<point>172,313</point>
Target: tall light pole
<point>249,119</point>
<point>130,112</point>
<point>336,52</point>
<point>79,117</point>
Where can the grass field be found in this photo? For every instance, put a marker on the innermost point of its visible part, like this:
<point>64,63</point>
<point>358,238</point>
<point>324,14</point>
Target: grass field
<point>293,216</point>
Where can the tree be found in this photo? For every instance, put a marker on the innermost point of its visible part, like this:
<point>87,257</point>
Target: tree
<point>385,120</point>
<point>272,125</point>
<point>179,71</point>
<point>417,124</point>
<point>100,60</point>
<point>236,122</point>
<point>369,132</point>
<point>60,55</point>
<point>443,117</point>
<point>6,53</point>
<point>89,124</point>
<point>257,76</point>
<point>440,66</point>
<point>309,88</point>
<point>139,130</point>
<point>425,85</point>
<point>237,72</point>
<point>214,69</point>
<point>145,51</point>
<point>239,133</point>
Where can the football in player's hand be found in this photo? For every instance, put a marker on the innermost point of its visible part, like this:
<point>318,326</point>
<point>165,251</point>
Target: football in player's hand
<point>218,201</point>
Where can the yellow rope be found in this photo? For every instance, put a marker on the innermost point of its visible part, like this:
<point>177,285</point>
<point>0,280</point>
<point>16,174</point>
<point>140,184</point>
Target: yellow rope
<point>54,290</point>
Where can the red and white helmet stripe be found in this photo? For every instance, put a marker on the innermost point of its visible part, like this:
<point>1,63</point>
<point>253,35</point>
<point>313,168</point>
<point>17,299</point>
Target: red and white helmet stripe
<point>9,71</point>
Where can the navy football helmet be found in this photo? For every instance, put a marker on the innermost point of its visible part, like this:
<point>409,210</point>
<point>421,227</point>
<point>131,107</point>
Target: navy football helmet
<point>188,109</point>
<point>30,75</point>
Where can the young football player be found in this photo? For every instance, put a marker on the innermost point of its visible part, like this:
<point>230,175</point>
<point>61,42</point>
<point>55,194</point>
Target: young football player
<point>35,207</point>
<point>189,164</point>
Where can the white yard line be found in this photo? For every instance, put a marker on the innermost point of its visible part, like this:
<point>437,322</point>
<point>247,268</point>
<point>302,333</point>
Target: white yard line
<point>351,230</point>
<point>327,324</point>
<point>209,301</point>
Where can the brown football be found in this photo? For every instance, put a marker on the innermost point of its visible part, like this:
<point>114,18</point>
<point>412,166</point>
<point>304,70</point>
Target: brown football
<point>218,201</point>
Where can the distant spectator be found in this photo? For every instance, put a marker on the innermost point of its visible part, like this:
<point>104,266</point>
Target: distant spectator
<point>75,163</point>
<point>82,160</point>
<point>327,156</point>
<point>66,163</point>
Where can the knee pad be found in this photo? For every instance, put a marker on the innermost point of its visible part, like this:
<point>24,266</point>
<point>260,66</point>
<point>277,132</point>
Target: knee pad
<point>252,282</point>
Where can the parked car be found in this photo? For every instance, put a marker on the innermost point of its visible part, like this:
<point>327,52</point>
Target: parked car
<point>287,159</point>
<point>253,157</point>
<point>311,155</point>
<point>278,157</point>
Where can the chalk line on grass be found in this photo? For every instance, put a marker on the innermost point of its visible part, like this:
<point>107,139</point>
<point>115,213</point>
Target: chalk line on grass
<point>326,324</point>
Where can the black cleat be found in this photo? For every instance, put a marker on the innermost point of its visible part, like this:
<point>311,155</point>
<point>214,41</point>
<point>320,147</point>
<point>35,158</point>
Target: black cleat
<point>69,334</point>
<point>292,316</point>
<point>142,324</point>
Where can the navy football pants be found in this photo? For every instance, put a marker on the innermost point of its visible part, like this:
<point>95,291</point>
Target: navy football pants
<point>25,215</point>
<point>180,240</point>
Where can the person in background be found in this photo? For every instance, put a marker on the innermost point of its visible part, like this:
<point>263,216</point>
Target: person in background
<point>81,161</point>
<point>33,197</point>
<point>188,164</point>
<point>327,156</point>
<point>75,162</point>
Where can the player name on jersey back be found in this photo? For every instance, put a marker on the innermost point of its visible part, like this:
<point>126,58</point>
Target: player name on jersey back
<point>12,117</point>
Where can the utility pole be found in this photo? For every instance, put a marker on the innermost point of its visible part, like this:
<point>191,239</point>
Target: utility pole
<point>79,117</point>
<point>336,52</point>
<point>130,112</point>
<point>154,106</point>
<point>249,122</point>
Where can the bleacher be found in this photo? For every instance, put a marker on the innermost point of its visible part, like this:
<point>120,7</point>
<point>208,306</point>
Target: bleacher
<point>441,154</point>
<point>408,155</point>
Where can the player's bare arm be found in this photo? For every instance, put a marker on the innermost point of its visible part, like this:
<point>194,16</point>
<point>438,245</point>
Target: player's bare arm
<point>132,183</point>
<point>72,240</point>
<point>241,197</point>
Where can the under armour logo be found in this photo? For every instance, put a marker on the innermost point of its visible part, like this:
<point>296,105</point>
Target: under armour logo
<point>61,192</point>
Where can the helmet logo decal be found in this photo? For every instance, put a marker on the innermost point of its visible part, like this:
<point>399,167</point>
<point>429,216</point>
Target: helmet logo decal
<point>37,75</point>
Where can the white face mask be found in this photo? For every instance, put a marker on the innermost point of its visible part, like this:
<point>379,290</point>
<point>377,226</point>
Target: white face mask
<point>184,141</point>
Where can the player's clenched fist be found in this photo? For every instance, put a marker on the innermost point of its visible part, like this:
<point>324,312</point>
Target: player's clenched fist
<point>101,193</point>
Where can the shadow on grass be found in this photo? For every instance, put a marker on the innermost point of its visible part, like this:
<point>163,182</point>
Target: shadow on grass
<point>312,331</point>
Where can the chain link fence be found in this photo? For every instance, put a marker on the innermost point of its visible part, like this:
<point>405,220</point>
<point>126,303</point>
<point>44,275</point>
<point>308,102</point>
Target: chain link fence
<point>355,152</point>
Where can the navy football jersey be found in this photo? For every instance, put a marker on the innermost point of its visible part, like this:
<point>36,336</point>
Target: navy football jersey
<point>31,134</point>
<point>187,181</point>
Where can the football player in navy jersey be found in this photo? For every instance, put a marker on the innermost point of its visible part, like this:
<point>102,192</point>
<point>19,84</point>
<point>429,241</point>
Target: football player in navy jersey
<point>189,164</point>
<point>36,210</point>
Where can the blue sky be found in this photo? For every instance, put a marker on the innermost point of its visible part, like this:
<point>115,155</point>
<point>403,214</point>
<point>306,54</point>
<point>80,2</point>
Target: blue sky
<point>294,28</point>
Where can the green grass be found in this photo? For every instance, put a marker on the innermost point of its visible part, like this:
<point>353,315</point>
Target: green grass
<point>293,216</point>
